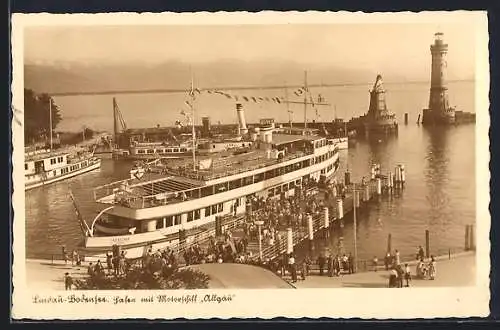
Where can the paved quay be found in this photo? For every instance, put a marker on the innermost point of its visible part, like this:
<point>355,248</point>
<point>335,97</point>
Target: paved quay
<point>458,271</point>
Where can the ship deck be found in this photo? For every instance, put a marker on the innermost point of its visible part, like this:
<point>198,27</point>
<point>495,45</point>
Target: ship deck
<point>230,165</point>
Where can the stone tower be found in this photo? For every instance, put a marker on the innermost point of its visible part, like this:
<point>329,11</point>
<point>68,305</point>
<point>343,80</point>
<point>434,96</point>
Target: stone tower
<point>379,118</point>
<point>439,111</point>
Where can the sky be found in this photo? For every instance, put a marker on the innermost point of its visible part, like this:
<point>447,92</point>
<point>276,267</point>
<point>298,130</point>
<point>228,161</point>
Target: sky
<point>397,48</point>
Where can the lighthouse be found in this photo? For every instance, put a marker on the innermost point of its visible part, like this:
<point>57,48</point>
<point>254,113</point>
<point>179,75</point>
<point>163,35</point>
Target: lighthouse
<point>439,111</point>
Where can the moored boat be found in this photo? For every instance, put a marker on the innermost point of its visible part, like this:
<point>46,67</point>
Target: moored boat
<point>43,166</point>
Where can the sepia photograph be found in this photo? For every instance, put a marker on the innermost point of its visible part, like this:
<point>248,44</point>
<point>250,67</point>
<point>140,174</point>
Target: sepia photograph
<point>222,159</point>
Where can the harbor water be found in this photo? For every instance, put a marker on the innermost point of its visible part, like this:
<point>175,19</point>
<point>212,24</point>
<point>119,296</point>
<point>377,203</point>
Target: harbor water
<point>439,195</point>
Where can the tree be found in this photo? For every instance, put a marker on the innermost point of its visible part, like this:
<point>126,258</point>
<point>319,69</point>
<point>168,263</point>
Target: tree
<point>36,115</point>
<point>152,277</point>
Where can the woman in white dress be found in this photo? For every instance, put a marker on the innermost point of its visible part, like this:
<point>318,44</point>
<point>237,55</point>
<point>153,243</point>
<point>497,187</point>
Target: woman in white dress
<point>432,268</point>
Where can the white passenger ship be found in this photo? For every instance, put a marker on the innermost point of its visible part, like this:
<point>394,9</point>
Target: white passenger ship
<point>45,166</point>
<point>152,212</point>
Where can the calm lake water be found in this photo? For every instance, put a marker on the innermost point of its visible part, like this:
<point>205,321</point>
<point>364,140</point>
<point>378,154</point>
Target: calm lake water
<point>440,168</point>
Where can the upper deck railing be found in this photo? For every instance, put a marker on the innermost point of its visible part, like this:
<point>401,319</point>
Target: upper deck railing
<point>129,194</point>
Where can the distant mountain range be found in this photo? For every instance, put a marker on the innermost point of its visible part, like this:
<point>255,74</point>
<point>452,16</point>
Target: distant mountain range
<point>80,77</point>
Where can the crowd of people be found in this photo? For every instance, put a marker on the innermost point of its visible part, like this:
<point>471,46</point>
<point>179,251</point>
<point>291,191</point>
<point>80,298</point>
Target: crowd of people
<point>275,214</point>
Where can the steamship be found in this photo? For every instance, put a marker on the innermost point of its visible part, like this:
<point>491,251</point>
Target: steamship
<point>187,197</point>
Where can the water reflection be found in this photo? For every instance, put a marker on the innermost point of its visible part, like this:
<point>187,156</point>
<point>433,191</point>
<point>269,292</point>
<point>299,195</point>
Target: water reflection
<point>436,174</point>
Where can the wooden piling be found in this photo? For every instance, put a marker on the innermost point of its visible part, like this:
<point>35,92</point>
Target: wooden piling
<point>472,243</point>
<point>467,239</point>
<point>427,244</point>
<point>406,118</point>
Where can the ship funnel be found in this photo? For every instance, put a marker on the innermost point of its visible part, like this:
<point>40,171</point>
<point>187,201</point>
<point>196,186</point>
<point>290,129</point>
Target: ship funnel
<point>241,119</point>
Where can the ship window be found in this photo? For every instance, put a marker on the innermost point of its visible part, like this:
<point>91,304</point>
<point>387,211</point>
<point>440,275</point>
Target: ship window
<point>220,187</point>
<point>140,151</point>
<point>52,161</point>
<point>220,207</point>
<point>291,185</point>
<point>248,180</point>
<point>207,211</point>
<point>190,217</point>
<point>206,191</point>
<point>176,149</point>
<point>169,150</point>
<point>197,214</point>
<point>214,209</point>
<point>305,163</point>
<point>277,190</point>
<point>258,177</point>
<point>159,224</point>
<point>270,192</point>
<point>285,187</point>
<point>25,166</point>
<point>177,219</point>
<point>270,174</point>
<point>183,149</point>
<point>235,184</point>
<point>54,173</point>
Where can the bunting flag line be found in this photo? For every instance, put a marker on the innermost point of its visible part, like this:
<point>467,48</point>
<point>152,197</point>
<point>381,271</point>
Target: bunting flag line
<point>299,91</point>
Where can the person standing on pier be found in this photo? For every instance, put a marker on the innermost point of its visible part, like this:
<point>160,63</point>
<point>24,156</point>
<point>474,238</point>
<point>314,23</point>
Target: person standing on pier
<point>321,264</point>
<point>336,265</point>
<point>330,265</point>
<point>64,255</point>
<point>387,260</point>
<point>397,258</point>
<point>420,254</point>
<point>432,268</point>
<point>375,263</point>
<point>68,281</point>
<point>407,275</point>
<point>350,261</point>
<point>109,262</point>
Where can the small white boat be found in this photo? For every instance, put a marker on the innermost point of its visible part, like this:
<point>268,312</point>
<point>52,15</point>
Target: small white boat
<point>42,167</point>
<point>341,142</point>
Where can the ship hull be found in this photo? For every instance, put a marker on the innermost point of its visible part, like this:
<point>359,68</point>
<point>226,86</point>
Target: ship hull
<point>41,182</point>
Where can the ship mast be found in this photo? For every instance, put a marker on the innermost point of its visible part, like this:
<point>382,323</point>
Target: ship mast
<point>305,99</point>
<point>191,93</point>
<point>50,121</point>
<point>288,106</point>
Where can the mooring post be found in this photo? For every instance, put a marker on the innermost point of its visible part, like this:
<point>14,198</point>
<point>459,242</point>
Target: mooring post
<point>427,244</point>
<point>379,186</point>
<point>310,230</point>
<point>472,243</point>
<point>326,218</point>
<point>406,118</point>
<point>467,239</point>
